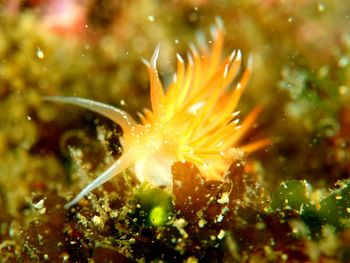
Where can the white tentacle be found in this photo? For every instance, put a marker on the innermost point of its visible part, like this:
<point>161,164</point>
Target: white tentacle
<point>116,168</point>
<point>116,115</point>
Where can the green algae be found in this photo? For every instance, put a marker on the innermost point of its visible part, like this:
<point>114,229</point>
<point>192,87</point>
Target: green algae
<point>155,205</point>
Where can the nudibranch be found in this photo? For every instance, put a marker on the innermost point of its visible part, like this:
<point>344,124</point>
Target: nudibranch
<point>194,120</point>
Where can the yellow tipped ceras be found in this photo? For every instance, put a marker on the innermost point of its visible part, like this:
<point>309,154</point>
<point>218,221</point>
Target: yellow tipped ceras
<point>193,121</point>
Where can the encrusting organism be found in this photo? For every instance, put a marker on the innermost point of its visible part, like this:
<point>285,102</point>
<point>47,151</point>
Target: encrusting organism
<point>193,121</point>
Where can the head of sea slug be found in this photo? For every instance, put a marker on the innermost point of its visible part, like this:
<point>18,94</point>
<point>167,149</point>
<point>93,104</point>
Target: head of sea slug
<point>195,120</point>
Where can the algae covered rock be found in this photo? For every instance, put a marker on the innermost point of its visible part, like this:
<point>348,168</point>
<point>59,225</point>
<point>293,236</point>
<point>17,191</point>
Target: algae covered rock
<point>289,202</point>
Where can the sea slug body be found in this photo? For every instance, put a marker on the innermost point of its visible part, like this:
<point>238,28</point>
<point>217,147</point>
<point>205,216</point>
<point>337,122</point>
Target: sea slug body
<point>193,121</point>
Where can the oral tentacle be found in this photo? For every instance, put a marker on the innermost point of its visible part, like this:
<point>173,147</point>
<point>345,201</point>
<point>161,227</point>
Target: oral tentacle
<point>118,116</point>
<point>123,163</point>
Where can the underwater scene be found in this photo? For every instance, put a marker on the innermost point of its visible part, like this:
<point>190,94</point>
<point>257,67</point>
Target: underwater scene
<point>174,131</point>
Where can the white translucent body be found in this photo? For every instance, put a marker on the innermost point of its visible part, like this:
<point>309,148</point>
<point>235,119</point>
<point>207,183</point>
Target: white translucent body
<point>155,168</point>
